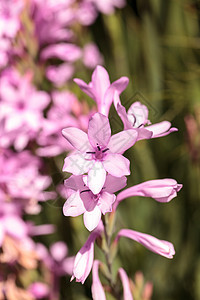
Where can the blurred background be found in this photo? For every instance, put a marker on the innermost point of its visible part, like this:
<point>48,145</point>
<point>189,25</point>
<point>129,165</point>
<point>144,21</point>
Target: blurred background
<point>156,44</point>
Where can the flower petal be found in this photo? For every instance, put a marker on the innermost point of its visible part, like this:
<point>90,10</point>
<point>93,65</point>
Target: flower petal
<point>84,259</point>
<point>96,177</point>
<point>155,245</point>
<point>86,88</point>
<point>75,183</point>
<point>144,133</point>
<point>161,129</point>
<point>63,51</point>
<point>92,218</point>
<point>74,207</point>
<point>116,165</point>
<point>122,141</point>
<point>15,226</point>
<point>122,112</point>
<point>114,184</point>
<point>126,286</point>
<point>106,200</point>
<point>77,164</point>
<point>77,138</point>
<point>162,190</point>
<point>138,114</point>
<point>120,84</point>
<point>100,83</point>
<point>99,131</point>
<point>58,251</point>
<point>97,288</point>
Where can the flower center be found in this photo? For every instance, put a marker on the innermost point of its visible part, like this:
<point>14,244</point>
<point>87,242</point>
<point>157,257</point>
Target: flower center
<point>99,153</point>
<point>93,196</point>
<point>20,105</point>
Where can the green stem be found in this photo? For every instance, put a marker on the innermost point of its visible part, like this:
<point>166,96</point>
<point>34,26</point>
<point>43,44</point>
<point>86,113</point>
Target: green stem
<point>108,256</point>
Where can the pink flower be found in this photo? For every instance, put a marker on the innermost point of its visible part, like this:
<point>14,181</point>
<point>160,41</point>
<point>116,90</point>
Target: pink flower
<point>125,282</point>
<point>82,201</point>
<point>52,20</point>
<point>21,107</point>
<point>160,247</point>
<point>60,263</point>
<point>60,74</point>
<point>11,222</point>
<point>84,258</point>
<point>108,6</point>
<point>5,49</point>
<point>65,51</point>
<point>97,288</point>
<point>21,181</point>
<point>101,90</point>
<point>91,56</point>
<point>57,260</point>
<point>39,290</point>
<point>162,190</point>
<point>137,117</point>
<point>65,111</point>
<point>10,17</point>
<point>41,229</point>
<point>86,13</point>
<point>98,152</point>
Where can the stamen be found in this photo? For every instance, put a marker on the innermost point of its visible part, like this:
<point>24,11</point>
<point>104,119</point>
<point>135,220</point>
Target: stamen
<point>105,150</point>
<point>98,147</point>
<point>84,191</point>
<point>90,152</point>
<point>140,125</point>
<point>134,119</point>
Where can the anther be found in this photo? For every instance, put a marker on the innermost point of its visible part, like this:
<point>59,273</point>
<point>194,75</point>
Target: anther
<point>98,147</point>
<point>105,150</point>
<point>134,119</point>
<point>84,191</point>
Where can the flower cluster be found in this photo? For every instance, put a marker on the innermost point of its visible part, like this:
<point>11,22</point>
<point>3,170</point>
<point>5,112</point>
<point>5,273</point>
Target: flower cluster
<point>99,170</point>
<point>43,45</point>
<point>40,44</point>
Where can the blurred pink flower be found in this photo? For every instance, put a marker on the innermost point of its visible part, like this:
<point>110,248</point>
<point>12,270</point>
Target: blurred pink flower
<point>155,245</point>
<point>101,90</point>
<point>5,46</point>
<point>41,229</point>
<point>56,259</point>
<point>82,200</point>
<point>108,6</point>
<point>11,223</point>
<point>52,20</point>
<point>126,286</point>
<point>162,190</point>
<point>21,181</point>
<point>64,51</point>
<point>65,111</point>
<point>84,259</point>
<point>9,17</point>
<point>91,56</point>
<point>86,13</point>
<point>98,151</point>
<point>21,106</point>
<point>97,288</point>
<point>59,75</point>
<point>39,290</point>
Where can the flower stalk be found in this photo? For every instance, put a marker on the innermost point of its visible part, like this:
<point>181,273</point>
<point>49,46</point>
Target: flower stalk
<point>108,231</point>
